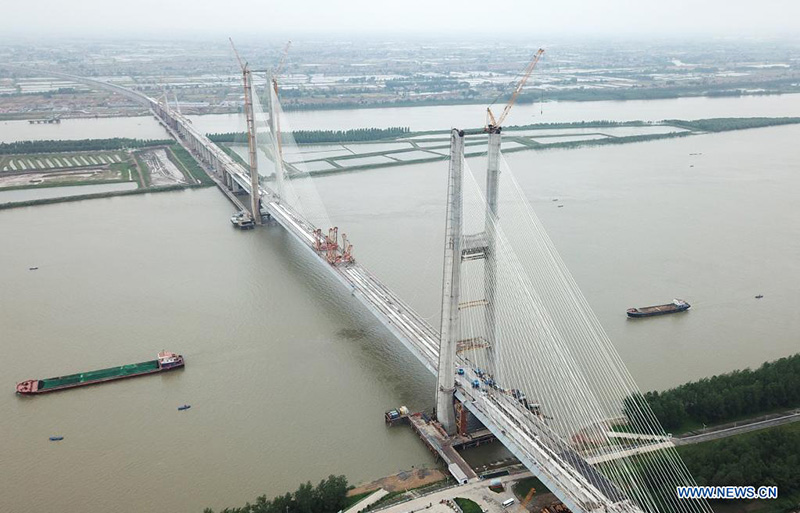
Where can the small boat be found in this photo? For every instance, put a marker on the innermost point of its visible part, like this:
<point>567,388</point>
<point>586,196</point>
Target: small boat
<point>32,268</point>
<point>56,438</point>
<point>677,305</point>
<point>184,407</point>
<point>243,220</point>
<point>759,296</point>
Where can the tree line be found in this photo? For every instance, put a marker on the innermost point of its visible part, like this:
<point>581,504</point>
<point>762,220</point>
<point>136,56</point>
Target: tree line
<point>769,458</point>
<point>117,143</point>
<point>329,496</point>
<point>725,397</point>
<point>765,458</point>
<point>725,124</point>
<point>325,136</point>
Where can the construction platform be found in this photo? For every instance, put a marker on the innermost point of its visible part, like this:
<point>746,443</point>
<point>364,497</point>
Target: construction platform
<point>440,443</point>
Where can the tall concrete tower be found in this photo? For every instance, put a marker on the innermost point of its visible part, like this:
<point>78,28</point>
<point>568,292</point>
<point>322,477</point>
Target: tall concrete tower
<point>460,248</point>
<point>255,191</point>
<point>451,285</point>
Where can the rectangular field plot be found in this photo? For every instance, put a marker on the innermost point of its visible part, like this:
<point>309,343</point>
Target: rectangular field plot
<point>314,155</point>
<point>432,144</point>
<point>364,161</point>
<point>317,165</point>
<point>377,147</point>
<point>412,155</point>
<point>569,138</point>
<point>505,145</point>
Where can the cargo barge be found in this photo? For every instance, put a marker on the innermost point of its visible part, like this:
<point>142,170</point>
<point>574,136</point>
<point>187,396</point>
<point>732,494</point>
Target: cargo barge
<point>677,305</point>
<point>164,362</point>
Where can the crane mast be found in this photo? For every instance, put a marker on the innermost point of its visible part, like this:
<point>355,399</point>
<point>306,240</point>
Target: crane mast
<point>275,122</point>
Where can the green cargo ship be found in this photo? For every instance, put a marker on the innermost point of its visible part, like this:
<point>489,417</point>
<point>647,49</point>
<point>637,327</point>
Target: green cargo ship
<point>165,361</point>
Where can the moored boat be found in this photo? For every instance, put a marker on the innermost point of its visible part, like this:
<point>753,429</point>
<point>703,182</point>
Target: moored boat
<point>164,362</point>
<point>677,305</point>
<point>243,220</point>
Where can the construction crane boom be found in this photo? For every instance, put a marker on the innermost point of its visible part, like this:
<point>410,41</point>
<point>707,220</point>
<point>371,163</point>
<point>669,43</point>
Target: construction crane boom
<point>279,67</point>
<point>242,65</point>
<point>496,123</point>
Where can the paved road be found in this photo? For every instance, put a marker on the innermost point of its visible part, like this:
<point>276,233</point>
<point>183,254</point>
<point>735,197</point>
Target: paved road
<point>727,430</point>
<point>477,491</point>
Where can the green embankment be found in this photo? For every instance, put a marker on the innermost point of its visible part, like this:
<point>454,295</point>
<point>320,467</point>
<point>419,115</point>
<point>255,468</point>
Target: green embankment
<point>189,165</point>
<point>118,143</point>
<point>324,136</point>
<point>143,171</point>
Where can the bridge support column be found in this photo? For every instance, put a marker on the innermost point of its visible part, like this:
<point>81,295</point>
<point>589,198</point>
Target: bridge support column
<point>490,262</point>
<point>451,285</point>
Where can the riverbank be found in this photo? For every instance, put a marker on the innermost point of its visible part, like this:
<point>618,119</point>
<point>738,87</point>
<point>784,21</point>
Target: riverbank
<point>53,165</point>
<point>99,195</point>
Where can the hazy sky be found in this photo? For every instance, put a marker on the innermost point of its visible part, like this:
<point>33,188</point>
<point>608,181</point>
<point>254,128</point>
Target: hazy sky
<point>421,17</point>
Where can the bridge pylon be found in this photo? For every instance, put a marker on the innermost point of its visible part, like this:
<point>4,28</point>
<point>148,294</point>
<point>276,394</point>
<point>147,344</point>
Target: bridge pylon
<point>451,285</point>
<point>460,248</point>
<point>255,190</point>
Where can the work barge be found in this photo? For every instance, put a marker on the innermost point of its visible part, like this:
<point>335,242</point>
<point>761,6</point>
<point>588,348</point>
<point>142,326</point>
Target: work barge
<point>166,361</point>
<point>444,446</point>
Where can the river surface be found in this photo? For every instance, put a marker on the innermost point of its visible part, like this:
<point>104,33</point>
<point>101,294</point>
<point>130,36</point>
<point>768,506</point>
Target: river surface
<point>143,127</point>
<point>288,378</point>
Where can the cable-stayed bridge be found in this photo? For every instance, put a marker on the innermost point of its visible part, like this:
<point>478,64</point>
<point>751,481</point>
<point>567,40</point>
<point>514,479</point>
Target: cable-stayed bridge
<point>518,348</point>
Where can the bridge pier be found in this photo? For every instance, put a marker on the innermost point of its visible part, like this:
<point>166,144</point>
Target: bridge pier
<point>451,286</point>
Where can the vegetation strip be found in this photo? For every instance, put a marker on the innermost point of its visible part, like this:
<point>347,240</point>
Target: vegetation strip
<point>28,147</point>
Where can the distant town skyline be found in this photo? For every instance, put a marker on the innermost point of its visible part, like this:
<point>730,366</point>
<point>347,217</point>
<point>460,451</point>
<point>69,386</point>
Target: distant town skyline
<point>180,18</point>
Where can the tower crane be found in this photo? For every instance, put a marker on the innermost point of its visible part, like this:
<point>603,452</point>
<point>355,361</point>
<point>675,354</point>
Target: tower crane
<point>493,124</point>
<point>275,122</point>
<point>279,67</point>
